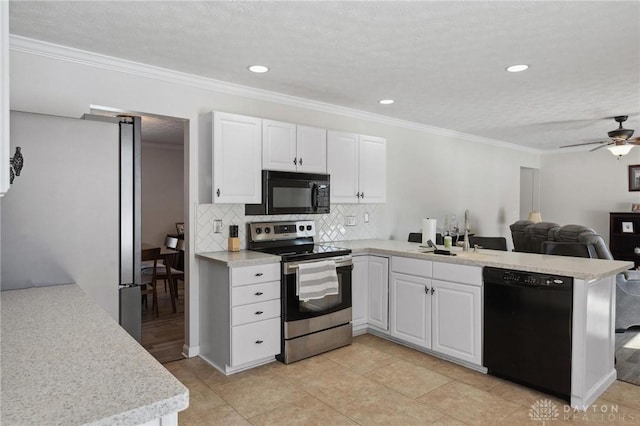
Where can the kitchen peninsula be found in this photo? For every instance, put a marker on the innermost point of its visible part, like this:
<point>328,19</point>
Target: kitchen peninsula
<point>66,361</point>
<point>593,338</point>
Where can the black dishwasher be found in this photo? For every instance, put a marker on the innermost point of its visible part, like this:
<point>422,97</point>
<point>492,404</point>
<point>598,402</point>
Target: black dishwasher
<point>527,329</point>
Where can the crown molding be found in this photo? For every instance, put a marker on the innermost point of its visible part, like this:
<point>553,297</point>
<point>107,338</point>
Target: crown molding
<point>69,54</point>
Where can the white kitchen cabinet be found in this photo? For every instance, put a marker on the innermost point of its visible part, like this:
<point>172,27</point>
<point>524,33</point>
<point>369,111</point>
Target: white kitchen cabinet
<point>312,149</point>
<point>358,168</point>
<point>279,146</point>
<point>378,291</point>
<point>239,315</point>
<point>4,97</point>
<point>457,319</point>
<point>359,292</point>
<point>237,159</point>
<point>293,148</point>
<point>410,309</point>
<point>370,293</point>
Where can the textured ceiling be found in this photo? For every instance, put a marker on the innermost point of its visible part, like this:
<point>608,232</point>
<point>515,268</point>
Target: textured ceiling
<point>443,62</point>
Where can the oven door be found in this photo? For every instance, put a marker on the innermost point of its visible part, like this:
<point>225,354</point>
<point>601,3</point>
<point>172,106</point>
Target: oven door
<point>295,309</point>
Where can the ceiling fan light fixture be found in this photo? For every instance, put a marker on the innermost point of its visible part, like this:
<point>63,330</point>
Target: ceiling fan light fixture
<point>620,150</point>
<point>517,68</point>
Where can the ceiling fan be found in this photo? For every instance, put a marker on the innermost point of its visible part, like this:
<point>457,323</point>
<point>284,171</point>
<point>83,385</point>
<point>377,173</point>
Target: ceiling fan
<point>620,142</point>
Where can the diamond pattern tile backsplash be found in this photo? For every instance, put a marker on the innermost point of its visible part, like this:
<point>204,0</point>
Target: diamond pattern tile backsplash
<point>329,227</point>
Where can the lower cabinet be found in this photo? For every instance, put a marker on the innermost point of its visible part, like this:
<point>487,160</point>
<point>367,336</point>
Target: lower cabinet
<point>411,309</point>
<point>239,315</point>
<point>437,314</point>
<point>370,292</point>
<point>457,320</point>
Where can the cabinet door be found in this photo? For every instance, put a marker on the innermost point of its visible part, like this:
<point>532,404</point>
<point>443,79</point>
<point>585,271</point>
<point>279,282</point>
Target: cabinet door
<point>457,320</point>
<point>279,146</point>
<point>237,159</point>
<point>359,290</point>
<point>372,169</point>
<point>312,149</point>
<point>411,309</point>
<point>342,165</point>
<point>378,292</point>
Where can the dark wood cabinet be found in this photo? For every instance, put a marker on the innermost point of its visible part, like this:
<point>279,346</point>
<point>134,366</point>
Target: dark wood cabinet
<point>624,236</point>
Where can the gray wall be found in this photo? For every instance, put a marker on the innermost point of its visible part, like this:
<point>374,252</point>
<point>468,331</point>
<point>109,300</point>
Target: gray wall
<point>60,217</point>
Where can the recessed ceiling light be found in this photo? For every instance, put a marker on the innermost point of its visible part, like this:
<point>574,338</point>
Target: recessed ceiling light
<point>517,68</point>
<point>258,69</point>
<point>386,101</point>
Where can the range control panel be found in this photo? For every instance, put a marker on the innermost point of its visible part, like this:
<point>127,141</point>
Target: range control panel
<point>267,231</point>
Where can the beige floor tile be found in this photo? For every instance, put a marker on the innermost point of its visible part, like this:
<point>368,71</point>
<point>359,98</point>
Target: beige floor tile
<point>623,393</point>
<point>448,421</point>
<point>521,395</point>
<point>407,378</point>
<point>462,374</point>
<point>388,407</point>
<point>308,411</point>
<point>302,368</point>
<point>221,416</point>
<point>358,357</point>
<point>469,404</point>
<point>338,385</point>
<point>251,396</point>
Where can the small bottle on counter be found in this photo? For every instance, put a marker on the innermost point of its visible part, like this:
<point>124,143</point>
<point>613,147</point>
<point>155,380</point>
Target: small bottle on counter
<point>234,241</point>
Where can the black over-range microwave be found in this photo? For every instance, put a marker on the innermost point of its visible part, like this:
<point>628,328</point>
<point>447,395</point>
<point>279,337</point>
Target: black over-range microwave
<point>291,193</point>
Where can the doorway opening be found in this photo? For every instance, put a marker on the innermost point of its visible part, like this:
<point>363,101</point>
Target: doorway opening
<point>163,172</point>
<point>529,193</point>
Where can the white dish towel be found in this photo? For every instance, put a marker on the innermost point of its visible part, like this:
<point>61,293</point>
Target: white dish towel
<point>316,280</point>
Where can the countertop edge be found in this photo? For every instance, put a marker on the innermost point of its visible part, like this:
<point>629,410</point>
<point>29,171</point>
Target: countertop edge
<point>238,259</point>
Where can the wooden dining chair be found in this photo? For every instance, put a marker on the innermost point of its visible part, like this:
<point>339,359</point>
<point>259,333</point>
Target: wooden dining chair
<point>149,283</point>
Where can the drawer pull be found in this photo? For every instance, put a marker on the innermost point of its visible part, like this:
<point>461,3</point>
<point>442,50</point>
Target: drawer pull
<point>259,313</point>
<point>258,341</point>
<point>259,293</point>
<point>259,274</point>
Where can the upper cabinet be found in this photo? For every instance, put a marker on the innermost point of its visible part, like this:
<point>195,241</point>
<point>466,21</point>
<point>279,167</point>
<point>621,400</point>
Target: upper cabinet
<point>237,159</point>
<point>4,97</point>
<point>358,168</point>
<point>293,148</point>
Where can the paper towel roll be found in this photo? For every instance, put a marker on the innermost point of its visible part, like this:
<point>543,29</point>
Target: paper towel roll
<point>428,230</point>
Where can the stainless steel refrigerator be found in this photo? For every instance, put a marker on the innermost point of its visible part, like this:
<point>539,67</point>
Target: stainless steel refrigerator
<point>73,216</point>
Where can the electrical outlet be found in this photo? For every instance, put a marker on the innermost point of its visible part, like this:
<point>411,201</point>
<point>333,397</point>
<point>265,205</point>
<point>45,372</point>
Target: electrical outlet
<point>366,218</point>
<point>350,220</point>
<point>217,226</point>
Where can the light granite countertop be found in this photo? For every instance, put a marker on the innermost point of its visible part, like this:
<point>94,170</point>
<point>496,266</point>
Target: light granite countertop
<point>581,268</point>
<point>239,258</point>
<point>577,267</point>
<point>64,360</point>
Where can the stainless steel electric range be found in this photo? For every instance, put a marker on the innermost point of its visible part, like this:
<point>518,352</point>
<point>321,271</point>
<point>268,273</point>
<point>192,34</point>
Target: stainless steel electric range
<point>309,327</point>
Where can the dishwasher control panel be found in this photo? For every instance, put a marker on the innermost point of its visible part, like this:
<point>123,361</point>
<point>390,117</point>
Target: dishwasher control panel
<point>508,276</point>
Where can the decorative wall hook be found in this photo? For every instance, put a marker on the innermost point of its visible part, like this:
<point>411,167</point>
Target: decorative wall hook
<point>16,162</point>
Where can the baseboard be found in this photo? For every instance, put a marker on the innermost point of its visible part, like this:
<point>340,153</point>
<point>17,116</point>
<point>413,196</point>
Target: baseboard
<point>190,352</point>
<point>592,394</point>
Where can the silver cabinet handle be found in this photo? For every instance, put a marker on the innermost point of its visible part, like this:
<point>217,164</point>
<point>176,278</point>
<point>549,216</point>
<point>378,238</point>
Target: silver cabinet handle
<point>426,290</point>
<point>259,293</point>
<point>295,161</point>
<point>218,192</point>
<point>259,274</point>
<point>258,342</point>
<point>259,312</point>
<point>300,162</point>
<point>362,194</point>
<point>433,290</point>
<point>358,194</point>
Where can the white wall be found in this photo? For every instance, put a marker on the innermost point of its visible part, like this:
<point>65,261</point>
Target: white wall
<point>162,199</point>
<point>428,174</point>
<point>583,187</point>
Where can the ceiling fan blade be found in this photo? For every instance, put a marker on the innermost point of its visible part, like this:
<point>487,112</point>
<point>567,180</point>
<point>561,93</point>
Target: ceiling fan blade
<point>585,143</point>
<point>601,146</point>
<point>634,141</point>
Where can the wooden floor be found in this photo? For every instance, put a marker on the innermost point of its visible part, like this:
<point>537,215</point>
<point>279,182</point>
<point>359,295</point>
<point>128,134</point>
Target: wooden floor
<point>163,336</point>
<point>628,355</point>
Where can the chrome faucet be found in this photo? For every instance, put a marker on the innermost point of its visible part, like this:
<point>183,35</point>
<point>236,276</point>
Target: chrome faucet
<point>465,246</point>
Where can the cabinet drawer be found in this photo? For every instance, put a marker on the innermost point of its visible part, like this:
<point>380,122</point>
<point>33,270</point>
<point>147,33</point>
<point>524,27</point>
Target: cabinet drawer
<point>255,312</point>
<point>252,342</point>
<point>255,274</point>
<point>406,265</point>
<point>458,273</point>
<point>255,293</point>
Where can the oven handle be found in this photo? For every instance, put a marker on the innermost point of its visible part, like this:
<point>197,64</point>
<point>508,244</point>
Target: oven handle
<point>291,267</point>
